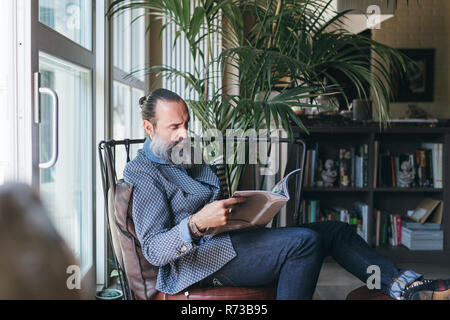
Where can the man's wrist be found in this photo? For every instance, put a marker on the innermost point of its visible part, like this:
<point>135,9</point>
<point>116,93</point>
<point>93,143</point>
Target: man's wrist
<point>195,231</point>
<point>194,219</point>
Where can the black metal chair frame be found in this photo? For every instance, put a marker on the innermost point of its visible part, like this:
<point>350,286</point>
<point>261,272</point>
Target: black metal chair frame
<point>107,154</point>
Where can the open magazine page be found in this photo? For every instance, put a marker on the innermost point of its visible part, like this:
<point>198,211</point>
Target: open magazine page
<point>281,187</point>
<point>259,209</point>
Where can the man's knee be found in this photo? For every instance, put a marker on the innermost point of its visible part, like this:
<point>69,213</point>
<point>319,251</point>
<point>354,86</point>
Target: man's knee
<point>304,239</point>
<point>338,230</point>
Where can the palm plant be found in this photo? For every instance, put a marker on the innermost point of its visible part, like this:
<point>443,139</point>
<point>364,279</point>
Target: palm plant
<point>291,53</point>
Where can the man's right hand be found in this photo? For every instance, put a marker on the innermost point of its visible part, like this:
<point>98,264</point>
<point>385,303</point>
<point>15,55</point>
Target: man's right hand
<point>215,214</point>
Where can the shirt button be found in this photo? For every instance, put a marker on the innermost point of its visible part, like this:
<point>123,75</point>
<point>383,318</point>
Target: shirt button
<point>182,249</point>
<point>188,210</point>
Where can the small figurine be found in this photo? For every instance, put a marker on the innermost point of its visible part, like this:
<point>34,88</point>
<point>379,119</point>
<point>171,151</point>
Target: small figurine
<point>329,175</point>
<point>406,175</point>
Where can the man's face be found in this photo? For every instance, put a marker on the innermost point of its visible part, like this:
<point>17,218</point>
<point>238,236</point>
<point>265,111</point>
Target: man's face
<point>172,121</point>
<point>169,132</point>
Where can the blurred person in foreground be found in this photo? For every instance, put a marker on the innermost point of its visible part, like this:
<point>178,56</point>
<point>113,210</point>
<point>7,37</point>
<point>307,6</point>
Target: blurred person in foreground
<point>34,259</point>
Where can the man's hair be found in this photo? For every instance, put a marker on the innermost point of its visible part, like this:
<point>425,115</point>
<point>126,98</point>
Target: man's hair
<point>148,104</point>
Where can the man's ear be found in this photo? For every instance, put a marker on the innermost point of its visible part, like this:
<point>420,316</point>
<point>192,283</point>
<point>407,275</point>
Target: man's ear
<point>149,129</point>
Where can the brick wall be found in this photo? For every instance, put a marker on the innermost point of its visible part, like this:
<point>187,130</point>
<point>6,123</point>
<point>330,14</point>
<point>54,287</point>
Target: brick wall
<point>422,25</point>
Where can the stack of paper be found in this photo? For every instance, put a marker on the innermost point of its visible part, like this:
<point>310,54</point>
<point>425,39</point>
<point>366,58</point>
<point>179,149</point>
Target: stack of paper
<point>422,239</point>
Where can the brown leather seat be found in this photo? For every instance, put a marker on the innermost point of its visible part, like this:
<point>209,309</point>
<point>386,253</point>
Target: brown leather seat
<point>364,293</point>
<point>222,293</point>
<point>141,275</point>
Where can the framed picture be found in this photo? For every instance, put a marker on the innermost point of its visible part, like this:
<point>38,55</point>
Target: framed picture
<point>419,84</point>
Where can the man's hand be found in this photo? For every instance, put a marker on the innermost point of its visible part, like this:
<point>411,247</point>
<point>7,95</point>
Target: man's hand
<point>215,214</point>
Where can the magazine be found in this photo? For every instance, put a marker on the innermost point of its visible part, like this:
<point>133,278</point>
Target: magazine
<point>259,208</point>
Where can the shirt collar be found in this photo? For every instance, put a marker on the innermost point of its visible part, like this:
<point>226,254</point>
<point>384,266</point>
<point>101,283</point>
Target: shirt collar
<point>149,153</point>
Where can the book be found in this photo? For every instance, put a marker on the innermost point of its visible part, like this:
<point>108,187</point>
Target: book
<point>314,162</point>
<point>398,225</point>
<point>424,210</point>
<point>259,208</point>
<point>421,167</point>
<point>385,230</point>
<point>436,163</point>
<point>378,228</point>
<point>393,173</point>
<point>439,179</point>
<point>308,168</point>
<point>363,210</point>
<point>419,226</point>
<point>365,165</point>
<point>394,231</point>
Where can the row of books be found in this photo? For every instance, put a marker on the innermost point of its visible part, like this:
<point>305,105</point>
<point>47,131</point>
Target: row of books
<point>350,165</point>
<point>394,230</point>
<point>426,162</point>
<point>388,229</point>
<point>311,212</point>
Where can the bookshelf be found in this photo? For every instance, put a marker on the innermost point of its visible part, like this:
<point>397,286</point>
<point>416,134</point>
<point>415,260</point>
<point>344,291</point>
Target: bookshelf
<point>399,138</point>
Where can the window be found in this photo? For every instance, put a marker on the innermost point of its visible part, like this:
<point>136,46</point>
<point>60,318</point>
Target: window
<point>71,18</point>
<point>129,56</point>
<point>179,57</point>
<point>8,168</point>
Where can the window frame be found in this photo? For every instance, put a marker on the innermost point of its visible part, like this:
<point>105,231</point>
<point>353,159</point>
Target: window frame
<point>115,74</point>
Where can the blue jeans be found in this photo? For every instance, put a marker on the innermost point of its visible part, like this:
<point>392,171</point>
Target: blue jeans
<point>293,257</point>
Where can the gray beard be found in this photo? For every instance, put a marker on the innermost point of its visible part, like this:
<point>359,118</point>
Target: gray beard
<point>173,153</point>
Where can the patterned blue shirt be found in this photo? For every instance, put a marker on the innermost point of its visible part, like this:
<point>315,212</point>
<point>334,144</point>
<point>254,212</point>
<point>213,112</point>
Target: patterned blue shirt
<point>184,227</point>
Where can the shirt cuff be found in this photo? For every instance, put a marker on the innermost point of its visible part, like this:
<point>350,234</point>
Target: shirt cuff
<point>185,233</point>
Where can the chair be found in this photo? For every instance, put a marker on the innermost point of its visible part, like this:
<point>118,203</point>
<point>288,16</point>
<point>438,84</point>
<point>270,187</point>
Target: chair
<point>137,276</point>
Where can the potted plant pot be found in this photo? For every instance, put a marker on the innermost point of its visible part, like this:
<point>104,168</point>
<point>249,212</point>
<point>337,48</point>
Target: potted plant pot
<point>109,294</point>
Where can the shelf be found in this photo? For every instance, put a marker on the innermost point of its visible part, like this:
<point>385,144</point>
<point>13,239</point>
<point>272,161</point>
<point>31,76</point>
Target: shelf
<point>318,189</point>
<point>408,190</point>
<point>402,254</point>
<point>399,139</point>
<point>405,190</point>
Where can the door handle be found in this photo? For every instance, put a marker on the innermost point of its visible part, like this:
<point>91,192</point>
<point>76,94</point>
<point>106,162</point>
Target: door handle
<point>55,120</point>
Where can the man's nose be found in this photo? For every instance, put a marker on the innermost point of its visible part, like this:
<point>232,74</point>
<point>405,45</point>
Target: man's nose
<point>182,134</point>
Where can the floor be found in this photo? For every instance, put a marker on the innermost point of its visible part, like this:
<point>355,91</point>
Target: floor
<point>335,283</point>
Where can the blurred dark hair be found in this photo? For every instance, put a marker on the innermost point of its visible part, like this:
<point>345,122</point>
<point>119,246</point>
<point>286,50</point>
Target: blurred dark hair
<point>148,104</point>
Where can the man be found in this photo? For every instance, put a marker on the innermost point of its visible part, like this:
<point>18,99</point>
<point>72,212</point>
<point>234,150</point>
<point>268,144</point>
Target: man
<point>174,202</point>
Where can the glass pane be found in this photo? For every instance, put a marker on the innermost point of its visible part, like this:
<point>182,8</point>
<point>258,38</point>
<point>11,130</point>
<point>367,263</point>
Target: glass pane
<point>71,18</point>
<point>137,128</point>
<point>66,188</point>
<point>7,105</point>
<point>122,41</point>
<point>138,40</point>
<point>121,120</point>
<point>6,130</point>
